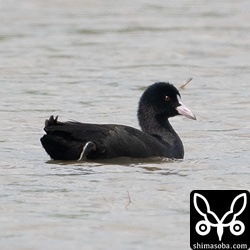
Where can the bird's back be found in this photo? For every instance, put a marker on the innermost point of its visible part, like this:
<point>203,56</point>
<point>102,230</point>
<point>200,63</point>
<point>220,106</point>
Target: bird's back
<point>65,141</point>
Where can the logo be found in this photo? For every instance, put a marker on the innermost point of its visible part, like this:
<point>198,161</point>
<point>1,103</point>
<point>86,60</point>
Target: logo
<point>203,227</point>
<point>219,219</point>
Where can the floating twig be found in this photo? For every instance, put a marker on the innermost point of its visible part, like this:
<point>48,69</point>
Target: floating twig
<point>129,200</point>
<point>185,83</point>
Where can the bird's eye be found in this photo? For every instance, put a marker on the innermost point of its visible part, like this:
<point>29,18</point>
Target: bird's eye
<point>167,98</point>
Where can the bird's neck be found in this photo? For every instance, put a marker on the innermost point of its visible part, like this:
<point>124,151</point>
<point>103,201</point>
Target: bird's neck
<point>161,127</point>
<point>158,126</point>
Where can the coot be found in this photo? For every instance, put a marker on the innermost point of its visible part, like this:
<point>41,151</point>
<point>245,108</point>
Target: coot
<point>80,141</point>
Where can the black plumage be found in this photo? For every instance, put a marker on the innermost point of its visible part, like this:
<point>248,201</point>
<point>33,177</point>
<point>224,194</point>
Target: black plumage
<point>78,141</point>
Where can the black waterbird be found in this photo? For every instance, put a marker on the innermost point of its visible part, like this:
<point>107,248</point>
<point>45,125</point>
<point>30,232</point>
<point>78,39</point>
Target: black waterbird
<point>157,138</point>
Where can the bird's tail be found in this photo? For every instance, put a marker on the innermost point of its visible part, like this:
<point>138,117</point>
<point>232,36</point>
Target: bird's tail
<point>60,149</point>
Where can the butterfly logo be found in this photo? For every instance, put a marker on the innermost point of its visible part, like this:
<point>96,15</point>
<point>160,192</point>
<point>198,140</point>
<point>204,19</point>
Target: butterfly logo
<point>229,219</point>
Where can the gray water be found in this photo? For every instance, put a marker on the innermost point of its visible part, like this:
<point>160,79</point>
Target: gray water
<point>90,61</point>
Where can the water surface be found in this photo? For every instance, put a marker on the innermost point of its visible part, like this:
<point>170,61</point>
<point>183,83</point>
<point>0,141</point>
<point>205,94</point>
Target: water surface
<point>90,61</point>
